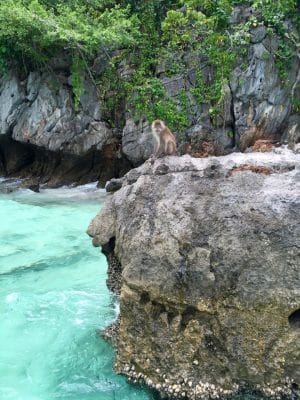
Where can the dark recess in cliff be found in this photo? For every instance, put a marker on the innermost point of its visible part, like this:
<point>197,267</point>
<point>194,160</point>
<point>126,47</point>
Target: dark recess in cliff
<point>294,319</point>
<point>54,169</point>
<point>114,273</point>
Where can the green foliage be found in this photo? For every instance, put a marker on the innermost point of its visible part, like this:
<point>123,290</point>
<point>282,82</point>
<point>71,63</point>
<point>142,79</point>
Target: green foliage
<point>185,30</point>
<point>146,34</point>
<point>77,70</point>
<point>149,100</point>
<point>200,29</point>
<point>274,13</point>
<point>284,56</point>
<point>219,9</point>
<point>112,92</point>
<point>32,32</point>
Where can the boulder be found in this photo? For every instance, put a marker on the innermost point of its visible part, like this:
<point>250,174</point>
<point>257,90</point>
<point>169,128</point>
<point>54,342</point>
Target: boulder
<point>207,254</point>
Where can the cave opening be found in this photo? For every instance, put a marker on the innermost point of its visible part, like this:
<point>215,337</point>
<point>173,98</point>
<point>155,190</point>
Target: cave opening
<point>145,298</point>
<point>294,319</point>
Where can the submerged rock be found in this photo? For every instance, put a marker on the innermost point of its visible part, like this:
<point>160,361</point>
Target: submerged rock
<point>209,264</point>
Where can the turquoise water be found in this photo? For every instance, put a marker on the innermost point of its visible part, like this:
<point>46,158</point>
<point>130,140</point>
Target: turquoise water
<point>53,299</point>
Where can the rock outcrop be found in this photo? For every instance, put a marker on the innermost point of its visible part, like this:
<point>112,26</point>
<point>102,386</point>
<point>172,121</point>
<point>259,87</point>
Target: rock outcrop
<point>209,251</point>
<point>257,101</point>
<point>40,110</point>
<point>38,120</point>
<point>261,101</point>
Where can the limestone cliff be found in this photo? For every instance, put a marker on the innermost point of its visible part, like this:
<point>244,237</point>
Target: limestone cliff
<point>43,133</point>
<point>209,267</point>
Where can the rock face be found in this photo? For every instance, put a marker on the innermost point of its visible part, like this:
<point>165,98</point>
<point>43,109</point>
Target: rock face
<point>258,101</point>
<point>137,141</point>
<point>261,102</point>
<point>210,284</point>
<point>37,116</point>
<point>256,105</point>
<point>40,111</point>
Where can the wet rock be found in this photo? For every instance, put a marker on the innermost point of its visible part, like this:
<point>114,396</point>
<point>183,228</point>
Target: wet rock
<point>31,184</point>
<point>113,185</point>
<point>56,168</point>
<point>110,333</point>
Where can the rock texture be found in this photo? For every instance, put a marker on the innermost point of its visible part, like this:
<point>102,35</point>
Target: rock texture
<point>210,284</point>
<point>40,111</point>
<point>261,101</point>
<point>38,120</point>
<point>257,101</point>
<point>137,141</point>
<point>256,104</point>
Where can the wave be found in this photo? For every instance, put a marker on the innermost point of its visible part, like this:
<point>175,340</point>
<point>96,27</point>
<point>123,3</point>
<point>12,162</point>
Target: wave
<point>62,195</point>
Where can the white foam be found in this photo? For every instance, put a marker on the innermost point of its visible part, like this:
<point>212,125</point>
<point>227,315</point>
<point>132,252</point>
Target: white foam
<point>78,321</point>
<point>83,192</point>
<point>116,309</point>
<point>11,298</point>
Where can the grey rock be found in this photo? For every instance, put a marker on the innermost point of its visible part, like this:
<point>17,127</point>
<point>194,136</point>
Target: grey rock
<point>256,103</point>
<point>261,103</point>
<point>100,63</point>
<point>12,98</point>
<point>137,141</point>
<point>174,85</point>
<point>242,13</point>
<point>89,101</point>
<point>113,185</point>
<point>278,96</point>
<point>209,254</point>
<point>292,132</point>
<point>31,184</point>
<point>40,111</point>
<point>219,138</point>
<point>271,43</point>
<point>258,34</point>
<point>60,63</point>
<point>160,68</point>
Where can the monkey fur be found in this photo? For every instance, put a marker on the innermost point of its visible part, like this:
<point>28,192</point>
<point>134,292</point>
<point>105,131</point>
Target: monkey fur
<point>165,140</point>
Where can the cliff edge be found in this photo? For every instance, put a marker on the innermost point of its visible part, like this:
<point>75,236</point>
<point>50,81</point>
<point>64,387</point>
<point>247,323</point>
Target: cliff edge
<point>207,253</point>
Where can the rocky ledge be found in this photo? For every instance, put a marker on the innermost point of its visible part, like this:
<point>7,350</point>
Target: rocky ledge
<point>207,253</point>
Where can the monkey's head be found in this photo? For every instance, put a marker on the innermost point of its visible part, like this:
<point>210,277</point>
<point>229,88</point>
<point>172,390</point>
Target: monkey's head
<point>158,126</point>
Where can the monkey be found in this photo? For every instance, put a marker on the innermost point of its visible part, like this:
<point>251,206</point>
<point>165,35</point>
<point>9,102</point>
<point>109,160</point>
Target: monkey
<point>165,140</point>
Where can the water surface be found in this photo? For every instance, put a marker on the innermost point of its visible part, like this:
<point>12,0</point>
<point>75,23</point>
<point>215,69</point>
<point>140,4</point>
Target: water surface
<point>53,299</point>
